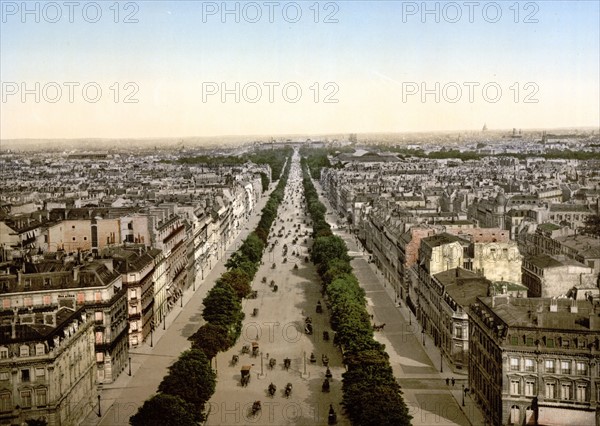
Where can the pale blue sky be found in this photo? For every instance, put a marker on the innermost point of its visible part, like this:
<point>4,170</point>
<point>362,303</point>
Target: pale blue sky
<point>368,54</point>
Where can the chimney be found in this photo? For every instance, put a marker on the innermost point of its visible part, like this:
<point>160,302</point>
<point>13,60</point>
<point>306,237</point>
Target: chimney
<point>574,306</point>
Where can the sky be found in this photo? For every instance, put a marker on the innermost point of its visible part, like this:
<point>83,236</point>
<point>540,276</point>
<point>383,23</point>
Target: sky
<point>147,69</point>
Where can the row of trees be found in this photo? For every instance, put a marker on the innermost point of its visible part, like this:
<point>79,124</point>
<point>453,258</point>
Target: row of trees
<point>275,158</point>
<point>371,395</point>
<point>190,383</point>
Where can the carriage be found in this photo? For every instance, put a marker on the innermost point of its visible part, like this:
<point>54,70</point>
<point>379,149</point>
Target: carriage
<point>325,386</point>
<point>319,307</point>
<point>254,348</point>
<point>326,335</point>
<point>272,389</point>
<point>332,418</point>
<point>272,363</point>
<point>273,266</point>
<point>253,294</point>
<point>286,363</point>
<point>245,371</point>
<point>264,279</point>
<point>255,312</point>
<point>234,360</point>
<point>325,360</point>
<point>313,358</point>
<point>245,349</point>
<point>328,374</point>
<point>256,407</point>
<point>288,390</point>
<point>275,288</point>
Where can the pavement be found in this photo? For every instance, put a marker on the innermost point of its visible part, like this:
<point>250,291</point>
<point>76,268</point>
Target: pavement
<point>150,361</point>
<point>415,360</point>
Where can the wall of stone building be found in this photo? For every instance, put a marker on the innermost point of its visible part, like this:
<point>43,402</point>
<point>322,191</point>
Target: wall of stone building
<point>558,281</point>
<point>109,232</point>
<point>498,261</point>
<point>446,256</point>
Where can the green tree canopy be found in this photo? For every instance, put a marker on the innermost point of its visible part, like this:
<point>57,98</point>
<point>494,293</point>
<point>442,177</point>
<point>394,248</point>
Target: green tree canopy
<point>164,410</point>
<point>210,339</point>
<point>192,379</point>
<point>238,280</point>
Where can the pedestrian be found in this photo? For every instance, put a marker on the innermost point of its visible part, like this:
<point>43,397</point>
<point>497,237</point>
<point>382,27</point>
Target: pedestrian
<point>447,381</point>
<point>453,381</point>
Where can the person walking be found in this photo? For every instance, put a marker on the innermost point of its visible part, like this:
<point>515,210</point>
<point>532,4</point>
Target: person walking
<point>447,381</point>
<point>453,381</point>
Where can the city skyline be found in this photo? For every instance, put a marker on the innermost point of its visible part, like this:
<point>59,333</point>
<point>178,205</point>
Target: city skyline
<point>389,65</point>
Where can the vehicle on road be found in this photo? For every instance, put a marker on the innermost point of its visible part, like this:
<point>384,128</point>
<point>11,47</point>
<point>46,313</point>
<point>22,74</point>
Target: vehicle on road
<point>272,363</point>
<point>272,389</point>
<point>234,360</point>
<point>254,348</point>
<point>288,390</point>
<point>256,407</point>
<point>286,363</point>
<point>325,386</point>
<point>245,371</point>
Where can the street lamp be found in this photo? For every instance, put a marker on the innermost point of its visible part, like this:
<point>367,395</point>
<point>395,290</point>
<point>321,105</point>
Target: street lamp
<point>99,408</point>
<point>463,392</point>
<point>441,360</point>
<point>129,366</point>
<point>423,335</point>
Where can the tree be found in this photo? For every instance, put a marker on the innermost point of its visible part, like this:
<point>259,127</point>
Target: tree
<point>221,305</point>
<point>192,379</point>
<point>210,339</point>
<point>164,410</point>
<point>592,225</point>
<point>326,249</point>
<point>238,280</point>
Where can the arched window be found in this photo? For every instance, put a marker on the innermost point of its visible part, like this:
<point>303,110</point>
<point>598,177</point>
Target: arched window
<point>515,415</point>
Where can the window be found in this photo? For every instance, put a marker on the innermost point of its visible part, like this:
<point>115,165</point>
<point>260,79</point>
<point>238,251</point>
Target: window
<point>529,341</point>
<point>40,372</point>
<point>529,388</point>
<point>582,369</point>
<point>99,356</point>
<point>3,353</point>
<point>24,350</point>
<point>459,332</point>
<point>134,326</point>
<point>549,366</point>
<point>25,375</point>
<point>550,343</point>
<point>514,340</point>
<point>99,316</point>
<point>566,343</point>
<point>5,402</point>
<point>515,387</point>
<point>582,393</point>
<point>514,364</point>
<point>99,337</point>
<point>40,349</point>
<point>565,391</point>
<point>47,282</point>
<point>4,375</point>
<point>26,399</point>
<point>40,397</point>
<point>551,390</point>
<point>27,283</point>
<point>529,364</point>
<point>565,367</point>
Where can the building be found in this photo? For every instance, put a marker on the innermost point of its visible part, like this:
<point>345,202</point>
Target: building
<point>554,276</point>
<point>47,365</point>
<point>535,361</point>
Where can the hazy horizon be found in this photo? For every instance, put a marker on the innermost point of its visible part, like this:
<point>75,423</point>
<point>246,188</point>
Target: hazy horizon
<point>155,70</point>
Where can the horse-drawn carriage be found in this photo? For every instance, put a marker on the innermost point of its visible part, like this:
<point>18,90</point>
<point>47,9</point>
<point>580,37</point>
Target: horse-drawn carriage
<point>254,348</point>
<point>313,358</point>
<point>255,312</point>
<point>319,307</point>
<point>326,335</point>
<point>256,407</point>
<point>325,360</point>
<point>272,363</point>
<point>273,266</point>
<point>288,390</point>
<point>328,374</point>
<point>272,389</point>
<point>264,279</point>
<point>234,360</point>
<point>275,288</point>
<point>245,371</point>
<point>286,363</point>
<point>325,386</point>
<point>308,328</point>
<point>253,294</point>
<point>245,349</point>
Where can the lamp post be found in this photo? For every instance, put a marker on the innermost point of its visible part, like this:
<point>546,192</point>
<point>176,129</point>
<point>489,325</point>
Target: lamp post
<point>99,408</point>
<point>463,392</point>
<point>129,366</point>
<point>441,360</point>
<point>423,335</point>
